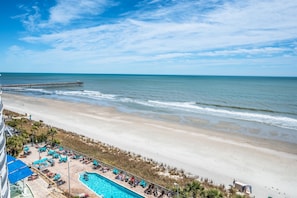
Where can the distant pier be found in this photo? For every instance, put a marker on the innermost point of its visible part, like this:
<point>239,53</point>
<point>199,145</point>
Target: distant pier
<point>54,84</point>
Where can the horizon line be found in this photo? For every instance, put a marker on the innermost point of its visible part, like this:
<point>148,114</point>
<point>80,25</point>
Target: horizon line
<point>148,74</point>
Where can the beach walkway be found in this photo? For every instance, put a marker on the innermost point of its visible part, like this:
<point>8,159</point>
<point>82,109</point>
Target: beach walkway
<point>40,186</point>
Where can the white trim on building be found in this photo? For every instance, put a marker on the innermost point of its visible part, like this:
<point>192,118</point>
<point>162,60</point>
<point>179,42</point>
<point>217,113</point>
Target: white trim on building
<point>4,183</point>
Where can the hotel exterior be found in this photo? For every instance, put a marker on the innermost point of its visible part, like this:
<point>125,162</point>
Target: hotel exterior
<point>4,183</point>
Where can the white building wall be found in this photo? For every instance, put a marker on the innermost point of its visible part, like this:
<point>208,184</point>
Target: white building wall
<point>4,183</point>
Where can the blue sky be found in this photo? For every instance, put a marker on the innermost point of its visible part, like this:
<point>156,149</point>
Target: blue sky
<point>203,37</point>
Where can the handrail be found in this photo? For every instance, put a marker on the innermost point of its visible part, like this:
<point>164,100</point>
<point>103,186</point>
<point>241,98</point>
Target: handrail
<point>1,126</point>
<point>3,162</point>
<point>4,179</point>
<point>2,144</point>
<point>6,192</point>
<point>5,188</point>
<point>1,106</point>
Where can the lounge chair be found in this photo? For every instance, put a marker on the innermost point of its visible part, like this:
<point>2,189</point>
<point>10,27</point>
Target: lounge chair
<point>155,192</point>
<point>127,178</point>
<point>82,159</point>
<point>42,149</point>
<point>136,182</point>
<point>115,171</point>
<point>149,187</point>
<point>120,176</point>
<point>95,163</point>
<point>133,181</point>
<point>26,151</point>
<point>142,183</point>
<point>162,194</point>
<point>104,169</point>
<point>33,177</point>
<point>60,182</point>
<point>98,166</point>
<point>56,155</point>
<point>50,174</point>
<point>51,152</point>
<point>88,161</point>
<point>26,148</point>
<point>23,156</point>
<point>57,177</point>
<point>63,159</point>
<point>45,171</point>
<point>149,190</point>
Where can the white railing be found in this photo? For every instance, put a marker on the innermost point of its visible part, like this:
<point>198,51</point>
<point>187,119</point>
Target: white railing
<point>5,189</point>
<point>4,178</point>
<point>2,145</point>
<point>3,161</point>
<point>1,126</point>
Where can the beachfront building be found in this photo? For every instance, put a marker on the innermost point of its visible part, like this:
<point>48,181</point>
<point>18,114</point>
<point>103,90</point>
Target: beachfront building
<point>4,183</point>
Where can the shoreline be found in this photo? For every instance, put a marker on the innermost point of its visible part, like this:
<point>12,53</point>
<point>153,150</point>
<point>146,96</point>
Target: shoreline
<point>268,165</point>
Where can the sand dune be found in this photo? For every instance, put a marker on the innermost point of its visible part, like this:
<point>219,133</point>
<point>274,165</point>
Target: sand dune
<point>269,166</point>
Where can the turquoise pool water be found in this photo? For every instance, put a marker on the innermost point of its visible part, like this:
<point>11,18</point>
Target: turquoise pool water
<point>107,188</point>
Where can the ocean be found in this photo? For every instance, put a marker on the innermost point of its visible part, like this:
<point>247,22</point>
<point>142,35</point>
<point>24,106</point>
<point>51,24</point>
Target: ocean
<point>263,107</point>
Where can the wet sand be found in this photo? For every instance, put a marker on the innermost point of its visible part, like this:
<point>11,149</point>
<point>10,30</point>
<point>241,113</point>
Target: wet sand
<point>268,165</point>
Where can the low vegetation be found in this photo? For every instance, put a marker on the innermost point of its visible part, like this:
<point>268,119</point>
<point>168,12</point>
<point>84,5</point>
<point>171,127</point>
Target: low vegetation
<point>184,185</point>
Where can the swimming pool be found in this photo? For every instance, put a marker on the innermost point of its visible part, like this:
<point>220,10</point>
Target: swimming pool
<point>107,188</point>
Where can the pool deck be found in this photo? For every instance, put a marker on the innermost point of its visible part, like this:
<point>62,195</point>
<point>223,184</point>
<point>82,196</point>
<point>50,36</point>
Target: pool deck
<point>39,186</point>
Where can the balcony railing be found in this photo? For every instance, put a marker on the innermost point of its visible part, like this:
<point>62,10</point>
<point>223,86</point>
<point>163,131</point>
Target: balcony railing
<point>4,179</point>
<point>2,163</point>
<point>6,194</point>
<point>1,126</point>
<point>3,159</point>
<point>5,189</point>
<point>2,144</point>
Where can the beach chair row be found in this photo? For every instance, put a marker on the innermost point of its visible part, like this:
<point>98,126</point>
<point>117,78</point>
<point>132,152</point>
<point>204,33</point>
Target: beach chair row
<point>56,177</point>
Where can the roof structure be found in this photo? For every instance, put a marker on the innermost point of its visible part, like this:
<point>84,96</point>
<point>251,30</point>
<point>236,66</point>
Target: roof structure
<point>17,170</point>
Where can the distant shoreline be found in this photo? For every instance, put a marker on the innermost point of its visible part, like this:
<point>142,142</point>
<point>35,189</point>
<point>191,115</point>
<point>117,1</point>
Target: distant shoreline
<point>217,156</point>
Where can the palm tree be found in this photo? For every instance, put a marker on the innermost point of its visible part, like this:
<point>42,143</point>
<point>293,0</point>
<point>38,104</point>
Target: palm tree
<point>25,136</point>
<point>195,187</point>
<point>14,145</point>
<point>192,189</point>
<point>213,193</point>
<point>32,137</point>
<point>52,132</point>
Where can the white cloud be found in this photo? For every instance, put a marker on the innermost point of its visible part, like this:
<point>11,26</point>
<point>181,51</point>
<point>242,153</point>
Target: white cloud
<point>30,18</point>
<point>66,11</point>
<point>182,32</point>
<point>254,51</point>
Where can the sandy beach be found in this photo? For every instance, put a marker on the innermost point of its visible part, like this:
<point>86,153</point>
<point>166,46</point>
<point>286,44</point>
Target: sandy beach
<point>269,166</point>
